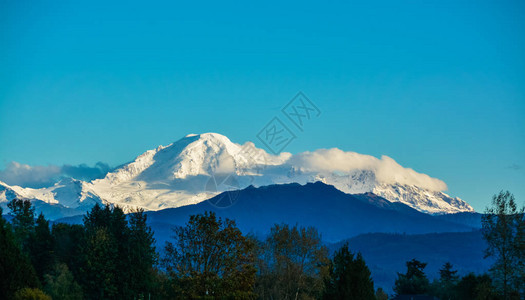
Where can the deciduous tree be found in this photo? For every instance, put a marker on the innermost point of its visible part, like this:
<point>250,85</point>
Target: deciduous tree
<point>210,257</point>
<point>504,231</point>
<point>293,264</point>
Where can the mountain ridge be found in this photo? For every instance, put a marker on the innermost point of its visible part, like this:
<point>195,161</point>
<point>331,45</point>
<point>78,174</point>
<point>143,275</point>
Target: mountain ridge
<point>185,172</point>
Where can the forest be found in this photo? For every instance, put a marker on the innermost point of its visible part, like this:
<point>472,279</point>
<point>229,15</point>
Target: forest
<point>113,255</point>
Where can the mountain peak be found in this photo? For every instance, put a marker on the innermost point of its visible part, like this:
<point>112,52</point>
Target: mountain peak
<point>193,168</point>
<point>206,136</point>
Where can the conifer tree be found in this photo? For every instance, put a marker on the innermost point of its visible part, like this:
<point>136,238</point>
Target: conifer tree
<point>41,247</point>
<point>349,277</point>
<point>15,266</point>
<point>23,221</point>
<point>142,258</point>
<point>414,281</point>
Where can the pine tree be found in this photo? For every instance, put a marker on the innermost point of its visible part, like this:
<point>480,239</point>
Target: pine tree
<point>69,242</point>
<point>447,275</point>
<point>349,277</point>
<point>41,248</point>
<point>23,221</point>
<point>143,258</point>
<point>414,282</point>
<point>101,255</point>
<point>15,267</point>
<point>119,234</point>
<point>445,287</point>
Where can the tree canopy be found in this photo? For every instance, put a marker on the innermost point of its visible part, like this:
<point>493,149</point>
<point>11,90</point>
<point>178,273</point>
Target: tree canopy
<point>504,230</point>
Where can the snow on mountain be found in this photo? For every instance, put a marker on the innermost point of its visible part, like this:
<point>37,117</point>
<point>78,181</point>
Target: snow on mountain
<point>197,167</point>
<point>69,197</point>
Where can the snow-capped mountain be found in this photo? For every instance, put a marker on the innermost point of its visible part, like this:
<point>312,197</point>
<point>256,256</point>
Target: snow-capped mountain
<point>69,197</point>
<point>198,167</point>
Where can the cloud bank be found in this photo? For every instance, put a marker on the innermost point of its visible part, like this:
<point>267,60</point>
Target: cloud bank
<point>386,169</point>
<point>43,176</point>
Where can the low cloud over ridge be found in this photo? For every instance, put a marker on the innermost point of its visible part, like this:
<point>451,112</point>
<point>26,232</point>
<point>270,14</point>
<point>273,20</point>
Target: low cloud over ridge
<point>386,169</point>
<point>43,176</point>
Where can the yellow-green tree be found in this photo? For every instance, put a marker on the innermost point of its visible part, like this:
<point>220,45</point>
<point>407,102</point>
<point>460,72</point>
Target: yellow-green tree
<point>210,258</point>
<point>292,264</point>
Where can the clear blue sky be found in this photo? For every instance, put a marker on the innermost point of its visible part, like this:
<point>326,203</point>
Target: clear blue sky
<point>439,86</point>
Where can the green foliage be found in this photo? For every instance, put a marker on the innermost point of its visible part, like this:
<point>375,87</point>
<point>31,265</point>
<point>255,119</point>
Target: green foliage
<point>60,284</point>
<point>293,263</point>
<point>23,221</point>
<point>414,282</point>
<point>475,287</point>
<point>447,275</point>
<point>16,270</point>
<point>210,258</point>
<point>41,247</point>
<point>504,231</point>
<point>142,255</point>
<point>112,256</point>
<point>68,244</point>
<point>104,253</point>
<point>349,277</point>
<point>444,288</point>
<point>31,294</point>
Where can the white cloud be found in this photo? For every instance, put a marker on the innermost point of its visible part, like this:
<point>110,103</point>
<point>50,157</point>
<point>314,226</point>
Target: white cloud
<point>42,176</point>
<point>386,169</point>
<point>29,176</point>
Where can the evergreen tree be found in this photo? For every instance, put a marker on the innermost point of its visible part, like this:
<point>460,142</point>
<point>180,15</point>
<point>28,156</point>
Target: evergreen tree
<point>16,270</point>
<point>23,221</point>
<point>101,265</point>
<point>414,282</point>
<point>119,235</point>
<point>69,241</point>
<point>444,288</point>
<point>101,253</point>
<point>447,275</point>
<point>504,231</point>
<point>349,277</point>
<point>143,258</point>
<point>41,247</point>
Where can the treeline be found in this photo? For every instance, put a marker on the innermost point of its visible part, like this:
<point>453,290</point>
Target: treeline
<point>112,256</point>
